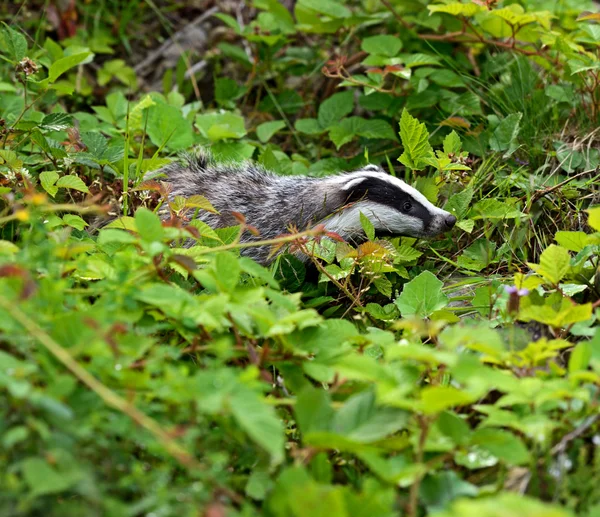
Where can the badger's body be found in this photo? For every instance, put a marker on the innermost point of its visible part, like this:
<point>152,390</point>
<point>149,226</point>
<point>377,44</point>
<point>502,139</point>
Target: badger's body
<point>273,204</point>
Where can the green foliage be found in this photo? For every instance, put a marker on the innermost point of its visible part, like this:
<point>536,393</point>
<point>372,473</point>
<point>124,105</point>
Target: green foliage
<point>146,368</point>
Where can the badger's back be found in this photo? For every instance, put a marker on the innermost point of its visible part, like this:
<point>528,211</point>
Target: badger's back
<point>272,204</point>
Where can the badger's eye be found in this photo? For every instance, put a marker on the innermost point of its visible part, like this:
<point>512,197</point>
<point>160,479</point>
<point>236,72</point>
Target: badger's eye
<point>407,206</point>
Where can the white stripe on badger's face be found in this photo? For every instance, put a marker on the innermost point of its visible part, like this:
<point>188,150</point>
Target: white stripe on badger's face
<point>386,217</point>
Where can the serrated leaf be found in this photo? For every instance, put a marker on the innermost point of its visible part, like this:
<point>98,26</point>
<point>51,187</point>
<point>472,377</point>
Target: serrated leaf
<point>573,241</point>
<point>48,180</point>
<point>452,143</point>
<point>123,223</point>
<point>502,444</point>
<point>335,108</point>
<point>422,296</point>
<point>56,122</point>
<point>435,399</point>
<point>15,44</point>
<point>466,224</point>
<point>493,209</point>
<point>310,126</point>
<point>458,204</point>
<point>74,182</point>
<point>415,140</point>
<point>504,137</point>
<point>555,263</point>
<point>64,64</point>
<point>327,7</point>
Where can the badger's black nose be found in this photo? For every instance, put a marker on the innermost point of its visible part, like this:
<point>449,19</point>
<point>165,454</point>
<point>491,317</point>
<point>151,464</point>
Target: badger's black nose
<point>450,221</point>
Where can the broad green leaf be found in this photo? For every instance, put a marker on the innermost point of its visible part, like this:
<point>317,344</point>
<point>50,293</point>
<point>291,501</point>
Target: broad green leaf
<point>458,204</point>
<point>505,504</point>
<point>554,264</point>
<point>74,182</point>
<point>422,296</point>
<point>56,122</point>
<point>502,444</point>
<point>415,140</point>
<point>221,126</point>
<point>15,44</point>
<point>457,9</point>
<point>313,410</point>
<point>435,399</point>
<point>335,108</point>
<point>452,143</point>
<point>74,221</point>
<point>382,44</point>
<point>227,271</point>
<point>580,357</point>
<point>260,421</point>
<point>310,126</point>
<point>573,241</point>
<point>454,427</point>
<point>594,217</point>
<point>493,209</point>
<point>328,7</point>
<point>166,126</point>
<point>504,137</point>
<point>48,181</point>
<point>266,130</point>
<point>44,479</point>
<point>123,223</point>
<point>64,64</point>
<point>148,225</point>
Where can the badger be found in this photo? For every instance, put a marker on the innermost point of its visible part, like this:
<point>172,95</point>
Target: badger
<point>273,204</point>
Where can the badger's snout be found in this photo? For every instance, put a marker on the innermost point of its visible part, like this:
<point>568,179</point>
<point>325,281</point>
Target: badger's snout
<point>450,221</point>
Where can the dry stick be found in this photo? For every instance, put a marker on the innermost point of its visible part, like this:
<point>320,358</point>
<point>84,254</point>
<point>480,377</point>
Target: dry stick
<point>107,395</point>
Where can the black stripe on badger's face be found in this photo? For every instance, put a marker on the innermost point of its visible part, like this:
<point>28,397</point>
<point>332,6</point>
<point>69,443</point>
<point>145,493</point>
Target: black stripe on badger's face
<point>385,193</point>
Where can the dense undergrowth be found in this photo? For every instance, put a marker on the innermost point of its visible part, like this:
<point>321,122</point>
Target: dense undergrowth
<point>457,377</point>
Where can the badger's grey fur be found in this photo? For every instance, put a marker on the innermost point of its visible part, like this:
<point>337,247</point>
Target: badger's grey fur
<point>273,203</point>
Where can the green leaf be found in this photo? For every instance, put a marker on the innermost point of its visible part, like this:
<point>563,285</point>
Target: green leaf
<point>266,130</point>
<point>580,357</point>
<point>227,270</point>
<point>335,108</point>
<point>56,122</point>
<point>452,143</point>
<point>555,263</point>
<point>167,126</point>
<point>221,126</point>
<point>415,140</point>
<point>493,209</point>
<point>48,180</point>
<point>456,9</point>
<point>458,204</point>
<point>327,7</point>
<point>383,45</point>
<point>74,182</point>
<point>148,225</point>
<point>439,398</point>
<point>310,126</point>
<point>15,44</point>
<point>573,241</point>
<point>64,64</point>
<point>260,421</point>
<point>367,226</point>
<point>43,479</point>
<point>505,504</point>
<point>504,137</point>
<point>313,410</point>
<point>594,217</point>
<point>74,221</point>
<point>502,444</point>
<point>454,427</point>
<point>422,296</point>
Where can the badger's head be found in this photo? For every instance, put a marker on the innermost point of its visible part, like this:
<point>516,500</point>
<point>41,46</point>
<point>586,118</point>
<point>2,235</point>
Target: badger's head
<point>394,207</point>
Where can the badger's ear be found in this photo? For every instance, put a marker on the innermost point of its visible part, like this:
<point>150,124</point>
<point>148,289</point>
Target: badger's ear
<point>371,167</point>
<point>352,183</point>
